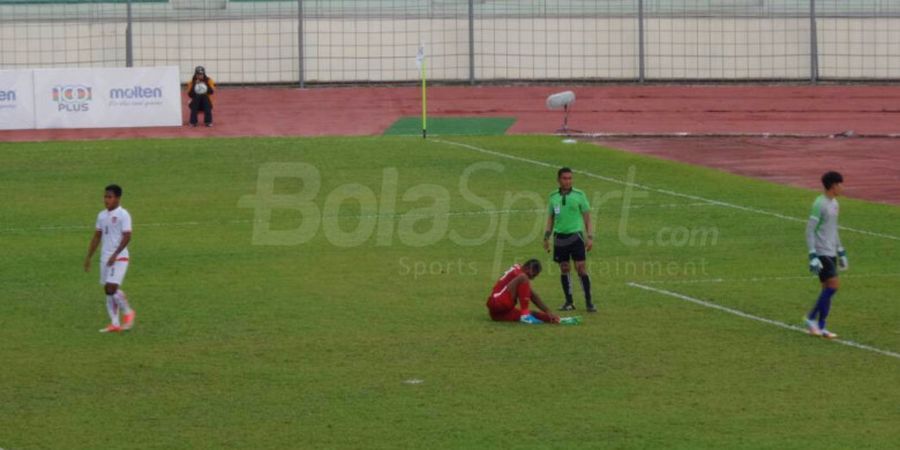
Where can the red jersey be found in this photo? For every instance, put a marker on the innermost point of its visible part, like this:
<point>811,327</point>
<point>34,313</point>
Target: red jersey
<point>500,288</point>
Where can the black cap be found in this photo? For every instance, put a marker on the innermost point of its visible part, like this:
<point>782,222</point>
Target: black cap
<point>200,69</point>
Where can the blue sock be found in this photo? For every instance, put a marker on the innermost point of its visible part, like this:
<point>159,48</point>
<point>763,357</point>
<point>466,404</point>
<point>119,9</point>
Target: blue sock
<point>825,308</point>
<point>813,313</point>
<point>823,305</point>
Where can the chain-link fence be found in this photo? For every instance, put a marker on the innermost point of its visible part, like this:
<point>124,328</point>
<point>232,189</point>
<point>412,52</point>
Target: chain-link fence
<point>302,41</point>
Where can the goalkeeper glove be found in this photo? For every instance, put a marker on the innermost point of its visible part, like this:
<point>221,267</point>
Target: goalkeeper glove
<point>843,263</point>
<point>815,266</point>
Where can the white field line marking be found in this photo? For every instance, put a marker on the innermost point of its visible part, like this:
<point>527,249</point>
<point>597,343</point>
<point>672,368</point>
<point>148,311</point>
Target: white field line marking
<point>755,279</point>
<point>247,221</point>
<point>661,191</point>
<point>758,319</point>
<point>347,216</point>
<point>688,134</point>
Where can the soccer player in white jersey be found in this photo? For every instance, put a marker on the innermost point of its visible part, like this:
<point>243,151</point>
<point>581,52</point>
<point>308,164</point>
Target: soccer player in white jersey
<point>826,253</point>
<point>114,230</point>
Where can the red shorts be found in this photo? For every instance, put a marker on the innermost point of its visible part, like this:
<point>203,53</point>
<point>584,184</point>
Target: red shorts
<point>503,309</point>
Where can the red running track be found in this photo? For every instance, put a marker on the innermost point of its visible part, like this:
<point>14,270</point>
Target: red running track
<point>871,165</point>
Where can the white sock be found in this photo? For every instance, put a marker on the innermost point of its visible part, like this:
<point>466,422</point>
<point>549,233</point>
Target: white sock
<point>122,301</point>
<point>113,309</point>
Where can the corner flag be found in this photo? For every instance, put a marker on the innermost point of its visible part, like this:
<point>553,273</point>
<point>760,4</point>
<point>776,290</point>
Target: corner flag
<point>420,63</point>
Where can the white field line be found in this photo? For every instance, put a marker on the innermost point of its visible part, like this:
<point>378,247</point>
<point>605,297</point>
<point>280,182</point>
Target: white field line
<point>248,221</point>
<point>776,323</point>
<point>688,134</point>
<point>484,212</point>
<point>763,279</point>
<point>658,190</point>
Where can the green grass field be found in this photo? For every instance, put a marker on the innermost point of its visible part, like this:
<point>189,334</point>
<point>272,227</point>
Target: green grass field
<point>309,339</point>
<point>451,126</point>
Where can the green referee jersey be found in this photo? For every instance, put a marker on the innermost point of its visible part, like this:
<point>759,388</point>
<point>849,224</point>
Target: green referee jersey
<point>567,211</point>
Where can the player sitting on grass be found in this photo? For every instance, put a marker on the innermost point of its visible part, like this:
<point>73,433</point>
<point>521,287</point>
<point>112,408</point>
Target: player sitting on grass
<point>826,253</point>
<point>114,228</point>
<point>515,287</point>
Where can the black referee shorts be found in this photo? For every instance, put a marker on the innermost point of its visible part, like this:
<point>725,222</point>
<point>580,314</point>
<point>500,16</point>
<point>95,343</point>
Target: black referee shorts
<point>568,246</point>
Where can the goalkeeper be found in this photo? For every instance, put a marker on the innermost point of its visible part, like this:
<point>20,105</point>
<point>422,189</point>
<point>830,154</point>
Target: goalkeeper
<point>826,254</point>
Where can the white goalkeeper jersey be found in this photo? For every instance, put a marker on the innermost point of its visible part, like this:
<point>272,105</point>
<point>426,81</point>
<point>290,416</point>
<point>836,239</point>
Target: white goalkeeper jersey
<point>822,236</point>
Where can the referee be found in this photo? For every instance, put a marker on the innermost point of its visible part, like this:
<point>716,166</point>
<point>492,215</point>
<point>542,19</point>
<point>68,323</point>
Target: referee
<point>569,222</point>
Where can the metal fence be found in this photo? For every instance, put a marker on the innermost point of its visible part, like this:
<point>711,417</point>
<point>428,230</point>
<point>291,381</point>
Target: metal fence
<point>322,41</point>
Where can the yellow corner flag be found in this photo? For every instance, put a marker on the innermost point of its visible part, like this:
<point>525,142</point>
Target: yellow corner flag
<point>420,63</point>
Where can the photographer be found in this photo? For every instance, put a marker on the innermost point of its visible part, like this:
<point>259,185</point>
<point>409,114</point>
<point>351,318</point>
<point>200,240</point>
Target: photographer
<point>200,89</point>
